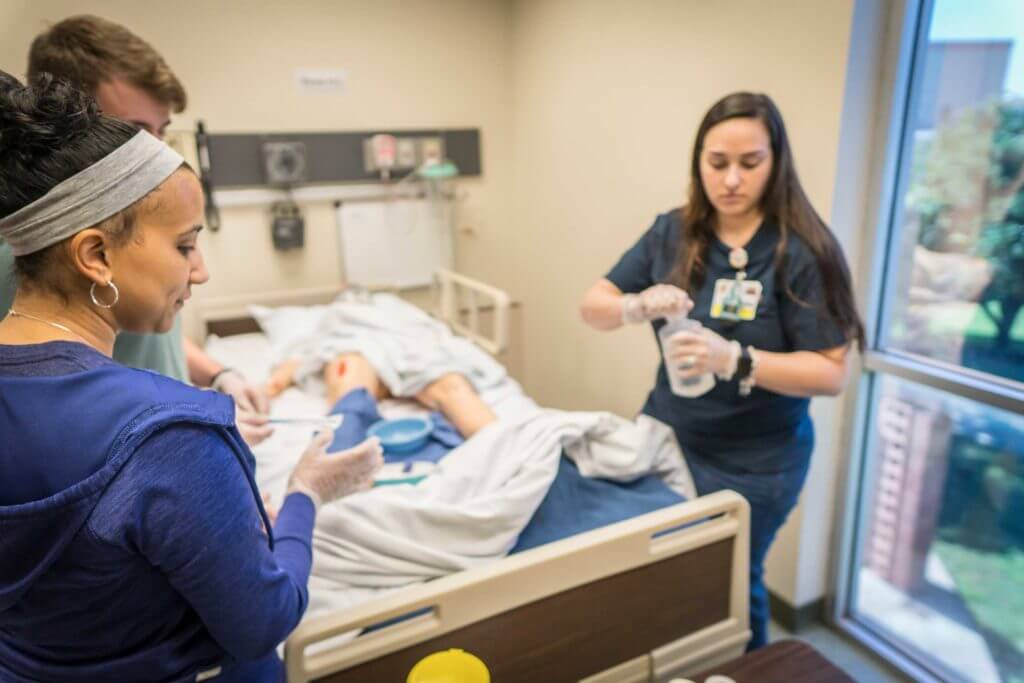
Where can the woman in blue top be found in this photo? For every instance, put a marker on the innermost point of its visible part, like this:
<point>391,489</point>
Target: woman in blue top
<point>133,544</point>
<point>750,260</point>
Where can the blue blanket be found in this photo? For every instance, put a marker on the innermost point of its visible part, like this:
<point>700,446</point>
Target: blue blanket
<point>575,504</point>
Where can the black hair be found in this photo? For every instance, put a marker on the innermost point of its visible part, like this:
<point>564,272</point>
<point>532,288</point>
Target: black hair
<point>50,131</point>
<point>784,202</point>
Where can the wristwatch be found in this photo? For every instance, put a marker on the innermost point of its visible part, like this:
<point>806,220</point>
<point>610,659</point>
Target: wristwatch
<point>745,368</point>
<point>744,364</point>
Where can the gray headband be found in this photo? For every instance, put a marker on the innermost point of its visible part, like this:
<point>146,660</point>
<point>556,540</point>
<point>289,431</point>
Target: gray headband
<point>94,194</point>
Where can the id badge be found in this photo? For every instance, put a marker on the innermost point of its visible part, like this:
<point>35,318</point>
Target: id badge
<point>735,299</point>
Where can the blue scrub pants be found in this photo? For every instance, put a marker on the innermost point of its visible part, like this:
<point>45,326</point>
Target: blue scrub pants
<point>771,496</point>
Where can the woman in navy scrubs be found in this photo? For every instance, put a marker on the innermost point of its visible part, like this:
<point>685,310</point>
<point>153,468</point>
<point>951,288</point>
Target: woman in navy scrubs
<point>750,259</point>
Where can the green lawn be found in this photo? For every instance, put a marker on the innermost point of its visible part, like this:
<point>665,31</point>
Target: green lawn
<point>973,322</point>
<point>978,334</point>
<point>992,587</point>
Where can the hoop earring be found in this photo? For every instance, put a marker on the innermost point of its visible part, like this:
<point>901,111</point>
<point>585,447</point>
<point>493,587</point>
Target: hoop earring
<point>117,295</point>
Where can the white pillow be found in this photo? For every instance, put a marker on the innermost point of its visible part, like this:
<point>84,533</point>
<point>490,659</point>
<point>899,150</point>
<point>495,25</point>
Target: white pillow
<point>286,325</point>
<point>250,354</point>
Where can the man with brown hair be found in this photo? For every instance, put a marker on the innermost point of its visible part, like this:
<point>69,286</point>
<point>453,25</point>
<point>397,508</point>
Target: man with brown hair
<point>132,82</point>
<point>129,79</point>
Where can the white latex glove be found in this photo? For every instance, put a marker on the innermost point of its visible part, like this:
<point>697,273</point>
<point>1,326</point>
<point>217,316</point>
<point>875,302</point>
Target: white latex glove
<point>702,351</point>
<point>255,428</point>
<point>655,302</point>
<point>326,477</point>
<point>248,397</point>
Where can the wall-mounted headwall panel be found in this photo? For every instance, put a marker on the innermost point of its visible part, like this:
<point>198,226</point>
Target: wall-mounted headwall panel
<point>236,159</point>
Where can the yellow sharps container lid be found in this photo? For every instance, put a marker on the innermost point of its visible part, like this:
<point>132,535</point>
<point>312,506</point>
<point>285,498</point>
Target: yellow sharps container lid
<point>452,666</point>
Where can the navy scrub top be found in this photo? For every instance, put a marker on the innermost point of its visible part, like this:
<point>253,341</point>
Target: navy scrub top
<point>765,431</point>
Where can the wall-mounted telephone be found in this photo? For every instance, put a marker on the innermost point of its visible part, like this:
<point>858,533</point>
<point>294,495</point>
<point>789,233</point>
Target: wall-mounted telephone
<point>287,227</point>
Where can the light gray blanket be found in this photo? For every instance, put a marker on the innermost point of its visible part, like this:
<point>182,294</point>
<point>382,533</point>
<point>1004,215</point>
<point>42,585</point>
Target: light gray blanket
<point>471,511</point>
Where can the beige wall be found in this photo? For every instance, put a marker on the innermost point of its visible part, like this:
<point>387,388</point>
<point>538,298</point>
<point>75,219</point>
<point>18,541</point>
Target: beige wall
<point>587,110</point>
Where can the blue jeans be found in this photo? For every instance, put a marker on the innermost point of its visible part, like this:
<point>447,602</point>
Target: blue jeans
<point>771,496</point>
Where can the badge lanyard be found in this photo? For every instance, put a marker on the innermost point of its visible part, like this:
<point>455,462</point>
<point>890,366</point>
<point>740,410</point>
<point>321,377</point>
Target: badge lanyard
<point>736,299</point>
<point>737,259</point>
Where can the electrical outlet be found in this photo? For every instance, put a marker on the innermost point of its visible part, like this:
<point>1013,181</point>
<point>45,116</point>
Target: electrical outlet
<point>405,153</point>
<point>470,220</point>
<point>431,149</point>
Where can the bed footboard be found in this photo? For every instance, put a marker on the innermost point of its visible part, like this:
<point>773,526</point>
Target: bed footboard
<point>654,594</point>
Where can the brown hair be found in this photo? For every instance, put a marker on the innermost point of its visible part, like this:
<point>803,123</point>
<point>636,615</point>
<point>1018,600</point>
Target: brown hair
<point>783,202</point>
<point>87,50</point>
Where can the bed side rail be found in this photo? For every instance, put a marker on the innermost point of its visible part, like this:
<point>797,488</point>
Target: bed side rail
<point>464,598</point>
<point>461,301</point>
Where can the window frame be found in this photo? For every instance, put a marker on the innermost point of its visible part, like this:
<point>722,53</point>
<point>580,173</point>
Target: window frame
<point>903,47</point>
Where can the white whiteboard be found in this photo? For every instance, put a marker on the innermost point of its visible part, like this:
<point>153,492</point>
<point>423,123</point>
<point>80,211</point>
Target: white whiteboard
<point>394,243</point>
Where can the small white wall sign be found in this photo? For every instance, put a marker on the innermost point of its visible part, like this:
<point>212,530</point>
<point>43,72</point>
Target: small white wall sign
<point>321,81</point>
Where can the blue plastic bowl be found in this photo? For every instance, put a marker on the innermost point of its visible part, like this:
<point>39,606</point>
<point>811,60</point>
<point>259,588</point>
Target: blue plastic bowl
<point>404,435</point>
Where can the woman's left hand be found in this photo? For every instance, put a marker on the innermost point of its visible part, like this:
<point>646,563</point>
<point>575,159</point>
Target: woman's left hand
<point>703,351</point>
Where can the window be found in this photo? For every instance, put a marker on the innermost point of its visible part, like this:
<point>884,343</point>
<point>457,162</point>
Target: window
<point>935,570</point>
<point>956,287</point>
<point>942,563</point>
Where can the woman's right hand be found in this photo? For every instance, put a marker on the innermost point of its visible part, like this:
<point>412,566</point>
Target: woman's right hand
<point>326,477</point>
<point>655,302</point>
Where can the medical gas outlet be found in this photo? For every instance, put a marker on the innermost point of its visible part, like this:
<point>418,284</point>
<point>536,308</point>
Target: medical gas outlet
<point>385,154</point>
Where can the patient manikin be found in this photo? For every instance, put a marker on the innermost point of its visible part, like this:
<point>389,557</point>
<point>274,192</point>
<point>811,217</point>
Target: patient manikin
<point>353,389</point>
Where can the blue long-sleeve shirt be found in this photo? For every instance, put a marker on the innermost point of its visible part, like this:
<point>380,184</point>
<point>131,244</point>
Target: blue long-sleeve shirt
<point>132,539</point>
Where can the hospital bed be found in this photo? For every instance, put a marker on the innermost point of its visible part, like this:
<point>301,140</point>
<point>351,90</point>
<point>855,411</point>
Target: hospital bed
<point>661,594</point>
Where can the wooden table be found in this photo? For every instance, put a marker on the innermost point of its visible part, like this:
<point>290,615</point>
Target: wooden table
<point>785,661</point>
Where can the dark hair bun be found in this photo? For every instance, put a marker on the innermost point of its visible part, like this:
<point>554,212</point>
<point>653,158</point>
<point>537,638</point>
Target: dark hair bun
<point>49,131</point>
<point>47,116</point>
